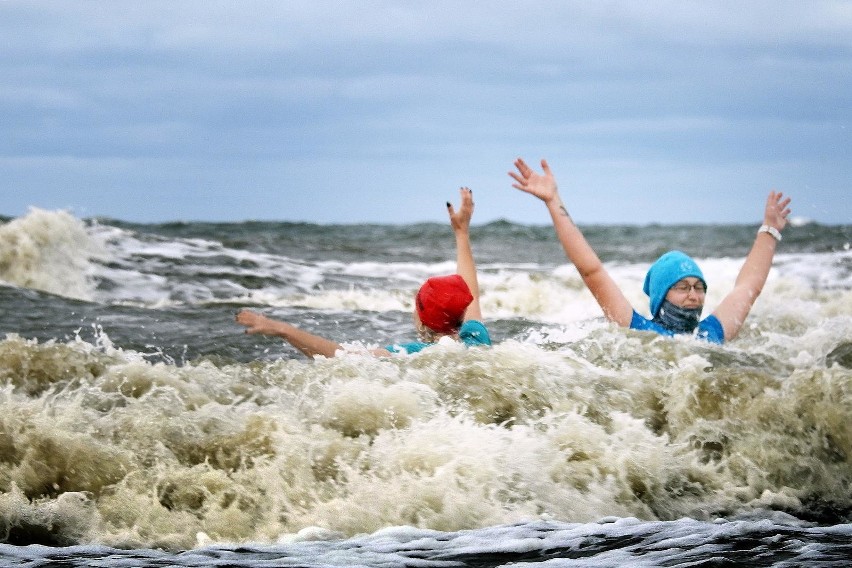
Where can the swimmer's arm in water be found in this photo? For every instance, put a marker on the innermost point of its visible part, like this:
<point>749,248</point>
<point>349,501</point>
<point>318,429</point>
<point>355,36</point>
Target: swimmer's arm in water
<point>465,265</point>
<point>609,296</point>
<point>308,343</point>
<point>732,311</point>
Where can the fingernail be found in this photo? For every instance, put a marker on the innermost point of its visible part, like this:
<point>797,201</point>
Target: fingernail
<point>448,204</point>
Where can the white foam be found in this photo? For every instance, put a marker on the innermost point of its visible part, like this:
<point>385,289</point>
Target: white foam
<point>49,251</point>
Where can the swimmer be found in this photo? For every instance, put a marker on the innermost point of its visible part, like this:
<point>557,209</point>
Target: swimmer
<point>674,283</point>
<point>445,306</point>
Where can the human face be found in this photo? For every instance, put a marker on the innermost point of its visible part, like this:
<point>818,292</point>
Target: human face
<point>687,293</point>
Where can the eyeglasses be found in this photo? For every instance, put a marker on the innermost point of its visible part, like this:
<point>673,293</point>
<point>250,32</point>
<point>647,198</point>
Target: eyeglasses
<point>685,287</point>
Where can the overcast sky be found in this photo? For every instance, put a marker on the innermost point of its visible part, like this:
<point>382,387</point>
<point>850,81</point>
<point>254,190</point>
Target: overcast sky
<point>344,112</point>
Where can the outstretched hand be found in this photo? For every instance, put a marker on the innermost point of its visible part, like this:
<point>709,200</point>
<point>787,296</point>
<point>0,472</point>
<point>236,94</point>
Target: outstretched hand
<point>776,210</point>
<point>542,186</point>
<point>255,322</point>
<point>460,220</point>
<point>308,343</point>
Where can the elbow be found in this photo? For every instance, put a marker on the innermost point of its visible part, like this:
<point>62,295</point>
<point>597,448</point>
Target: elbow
<point>619,319</point>
<point>753,291</point>
<point>589,273</point>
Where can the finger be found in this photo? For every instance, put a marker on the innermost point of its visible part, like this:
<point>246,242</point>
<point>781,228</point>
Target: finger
<point>517,178</point>
<point>545,166</point>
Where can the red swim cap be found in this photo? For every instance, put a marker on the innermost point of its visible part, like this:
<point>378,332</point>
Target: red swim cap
<point>441,303</point>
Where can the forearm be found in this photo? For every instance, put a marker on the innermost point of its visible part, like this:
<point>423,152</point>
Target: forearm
<point>756,267</point>
<point>755,270</point>
<point>575,245</point>
<point>466,268</point>
<point>307,343</point>
<point>465,265</point>
<point>310,344</point>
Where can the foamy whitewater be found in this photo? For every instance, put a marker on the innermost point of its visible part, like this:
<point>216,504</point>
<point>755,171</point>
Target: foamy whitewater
<point>139,425</point>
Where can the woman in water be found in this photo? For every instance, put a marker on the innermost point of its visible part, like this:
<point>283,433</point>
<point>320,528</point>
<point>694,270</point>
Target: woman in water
<point>674,283</point>
<point>444,305</point>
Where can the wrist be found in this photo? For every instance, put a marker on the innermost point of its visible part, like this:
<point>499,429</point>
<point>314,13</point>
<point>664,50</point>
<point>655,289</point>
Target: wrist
<point>554,202</point>
<point>771,231</point>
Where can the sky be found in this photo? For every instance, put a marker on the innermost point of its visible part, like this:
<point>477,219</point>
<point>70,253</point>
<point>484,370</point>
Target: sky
<point>378,111</point>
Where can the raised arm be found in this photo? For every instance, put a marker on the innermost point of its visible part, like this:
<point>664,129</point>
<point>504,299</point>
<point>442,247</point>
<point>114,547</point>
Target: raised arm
<point>609,296</point>
<point>465,265</point>
<point>308,343</point>
<point>733,310</point>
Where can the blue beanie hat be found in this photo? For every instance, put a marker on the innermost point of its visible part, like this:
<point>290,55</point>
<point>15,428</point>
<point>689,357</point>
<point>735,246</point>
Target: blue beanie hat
<point>665,273</point>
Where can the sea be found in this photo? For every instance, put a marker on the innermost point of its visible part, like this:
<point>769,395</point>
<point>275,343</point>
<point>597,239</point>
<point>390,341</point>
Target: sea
<point>140,426</point>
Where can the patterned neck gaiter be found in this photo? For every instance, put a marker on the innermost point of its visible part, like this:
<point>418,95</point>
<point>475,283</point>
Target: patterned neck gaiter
<point>679,320</point>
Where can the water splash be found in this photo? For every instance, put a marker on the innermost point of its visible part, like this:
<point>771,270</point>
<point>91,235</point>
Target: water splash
<point>49,251</point>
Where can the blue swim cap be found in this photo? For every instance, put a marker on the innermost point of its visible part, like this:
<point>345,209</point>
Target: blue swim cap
<point>665,273</point>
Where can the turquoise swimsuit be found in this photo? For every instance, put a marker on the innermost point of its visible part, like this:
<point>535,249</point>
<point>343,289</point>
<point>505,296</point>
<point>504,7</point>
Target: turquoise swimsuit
<point>709,329</point>
<point>472,333</point>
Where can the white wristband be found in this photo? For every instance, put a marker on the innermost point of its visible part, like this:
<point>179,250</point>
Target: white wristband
<point>771,230</point>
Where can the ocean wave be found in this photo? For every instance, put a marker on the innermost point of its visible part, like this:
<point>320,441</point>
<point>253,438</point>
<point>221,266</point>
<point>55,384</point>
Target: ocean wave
<point>102,445</point>
<point>49,251</point>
